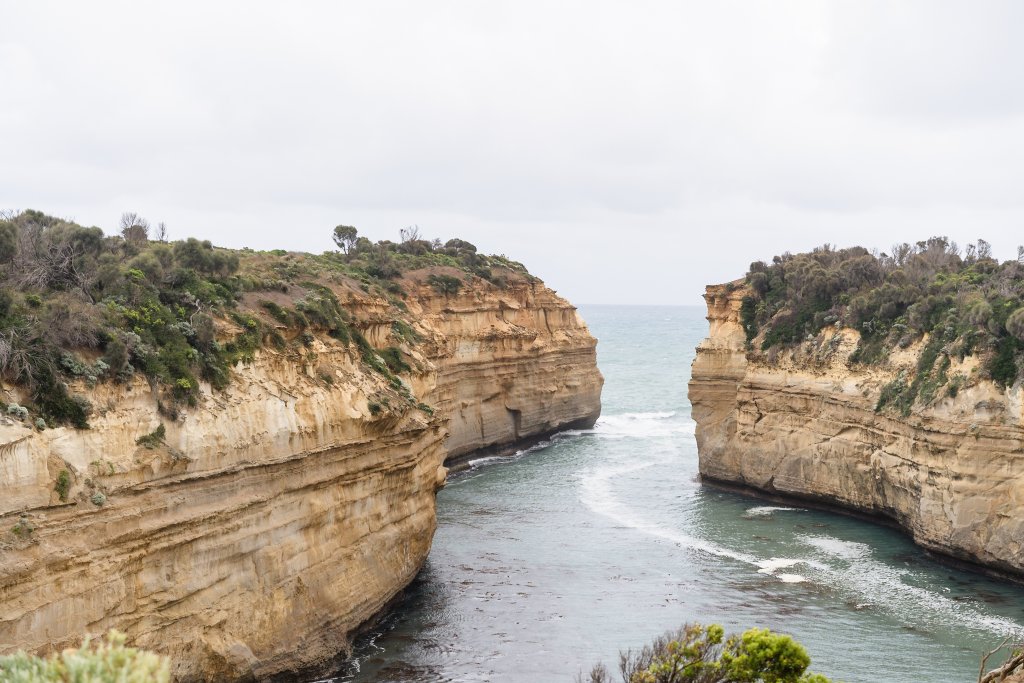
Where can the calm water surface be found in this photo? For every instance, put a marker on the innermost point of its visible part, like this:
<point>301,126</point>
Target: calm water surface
<point>599,540</point>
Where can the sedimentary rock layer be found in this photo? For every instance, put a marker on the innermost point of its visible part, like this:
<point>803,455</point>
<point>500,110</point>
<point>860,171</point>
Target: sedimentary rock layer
<point>802,422</point>
<point>275,517</point>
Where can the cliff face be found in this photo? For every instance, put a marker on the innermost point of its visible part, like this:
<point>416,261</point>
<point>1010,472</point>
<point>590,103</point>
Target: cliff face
<point>802,422</point>
<point>510,369</point>
<point>275,517</point>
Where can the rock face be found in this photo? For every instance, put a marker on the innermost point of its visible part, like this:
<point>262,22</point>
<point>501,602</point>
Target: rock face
<point>802,423</point>
<point>277,516</point>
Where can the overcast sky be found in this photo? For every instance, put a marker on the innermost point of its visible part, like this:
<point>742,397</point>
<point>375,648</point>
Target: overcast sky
<point>626,152</point>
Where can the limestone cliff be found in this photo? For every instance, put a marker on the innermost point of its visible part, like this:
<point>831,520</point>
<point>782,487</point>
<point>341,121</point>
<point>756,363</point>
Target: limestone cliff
<point>262,527</point>
<point>802,422</point>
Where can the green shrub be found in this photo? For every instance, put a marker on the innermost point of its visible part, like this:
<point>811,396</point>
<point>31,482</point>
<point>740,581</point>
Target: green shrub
<point>405,332</point>
<point>748,313</point>
<point>1002,367</point>
<point>23,529</point>
<point>63,485</point>
<point>154,438</point>
<point>393,359</point>
<point>445,284</point>
<point>703,654</point>
<point>103,661</point>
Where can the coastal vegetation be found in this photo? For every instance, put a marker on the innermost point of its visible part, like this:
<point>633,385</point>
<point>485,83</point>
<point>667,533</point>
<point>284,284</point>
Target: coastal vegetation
<point>703,654</point>
<point>955,302</point>
<point>79,307</point>
<point>102,661</point>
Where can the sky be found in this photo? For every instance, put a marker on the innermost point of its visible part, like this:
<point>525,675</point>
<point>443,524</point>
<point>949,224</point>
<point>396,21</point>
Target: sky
<point>626,152</point>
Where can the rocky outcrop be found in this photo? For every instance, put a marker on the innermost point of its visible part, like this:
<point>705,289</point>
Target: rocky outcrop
<point>802,422</point>
<point>270,521</point>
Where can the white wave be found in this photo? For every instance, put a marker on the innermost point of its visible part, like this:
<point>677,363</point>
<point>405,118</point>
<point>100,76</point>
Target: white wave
<point>768,510</point>
<point>656,415</point>
<point>597,495</point>
<point>791,578</point>
<point>644,425</point>
<point>834,547</point>
<point>477,462</point>
<point>843,566</point>
<point>873,582</point>
<point>775,564</point>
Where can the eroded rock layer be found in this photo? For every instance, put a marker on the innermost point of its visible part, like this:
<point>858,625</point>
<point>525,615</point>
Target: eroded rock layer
<point>803,422</point>
<point>268,522</point>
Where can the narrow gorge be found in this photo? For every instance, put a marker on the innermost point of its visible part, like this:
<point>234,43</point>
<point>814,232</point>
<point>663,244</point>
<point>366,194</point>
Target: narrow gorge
<point>808,421</point>
<point>250,534</point>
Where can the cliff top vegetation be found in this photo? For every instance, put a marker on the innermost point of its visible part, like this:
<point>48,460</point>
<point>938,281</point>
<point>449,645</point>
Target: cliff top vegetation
<point>963,301</point>
<point>76,303</point>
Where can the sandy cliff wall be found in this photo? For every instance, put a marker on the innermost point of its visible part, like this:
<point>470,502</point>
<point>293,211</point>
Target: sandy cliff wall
<point>282,513</point>
<point>510,369</point>
<point>802,422</point>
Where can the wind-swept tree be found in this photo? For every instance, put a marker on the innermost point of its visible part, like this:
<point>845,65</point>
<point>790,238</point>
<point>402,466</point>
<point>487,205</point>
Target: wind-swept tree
<point>345,237</point>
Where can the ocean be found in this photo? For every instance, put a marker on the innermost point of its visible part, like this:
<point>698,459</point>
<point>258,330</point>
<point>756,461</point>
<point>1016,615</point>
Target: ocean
<point>550,561</point>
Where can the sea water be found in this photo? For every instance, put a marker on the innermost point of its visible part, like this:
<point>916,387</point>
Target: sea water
<point>598,540</point>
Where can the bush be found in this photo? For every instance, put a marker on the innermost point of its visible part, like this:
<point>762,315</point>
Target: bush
<point>392,357</point>
<point>153,439</point>
<point>445,284</point>
<point>105,661</point>
<point>63,485</point>
<point>702,654</point>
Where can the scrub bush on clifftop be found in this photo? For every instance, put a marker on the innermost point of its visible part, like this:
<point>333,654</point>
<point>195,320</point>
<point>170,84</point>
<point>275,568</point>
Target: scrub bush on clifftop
<point>960,299</point>
<point>703,654</point>
<point>79,308</point>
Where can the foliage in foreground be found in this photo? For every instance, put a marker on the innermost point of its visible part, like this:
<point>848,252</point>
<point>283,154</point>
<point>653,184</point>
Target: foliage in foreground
<point>703,654</point>
<point>104,661</point>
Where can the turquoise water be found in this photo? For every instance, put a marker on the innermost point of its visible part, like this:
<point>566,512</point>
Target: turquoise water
<point>548,562</point>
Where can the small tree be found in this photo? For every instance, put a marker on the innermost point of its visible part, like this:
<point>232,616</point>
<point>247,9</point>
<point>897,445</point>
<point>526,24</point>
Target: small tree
<point>345,237</point>
<point>984,250</point>
<point>134,228</point>
<point>410,233</point>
